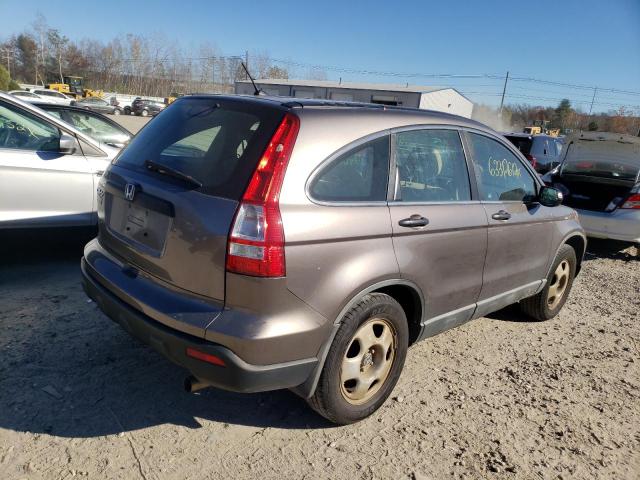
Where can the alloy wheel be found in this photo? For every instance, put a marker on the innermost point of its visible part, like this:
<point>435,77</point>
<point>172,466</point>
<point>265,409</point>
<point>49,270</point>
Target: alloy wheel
<point>558,284</point>
<point>367,361</point>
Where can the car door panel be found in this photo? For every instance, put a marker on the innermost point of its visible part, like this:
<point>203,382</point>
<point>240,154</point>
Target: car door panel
<point>445,255</point>
<point>38,184</point>
<point>45,188</point>
<point>445,258</point>
<point>517,248</point>
<point>519,233</point>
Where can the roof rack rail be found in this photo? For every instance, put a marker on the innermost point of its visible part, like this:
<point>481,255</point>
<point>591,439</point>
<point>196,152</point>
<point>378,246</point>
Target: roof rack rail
<point>319,102</point>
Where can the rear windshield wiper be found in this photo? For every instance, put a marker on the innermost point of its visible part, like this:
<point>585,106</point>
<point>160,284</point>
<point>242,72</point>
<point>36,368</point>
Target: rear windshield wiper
<point>164,170</point>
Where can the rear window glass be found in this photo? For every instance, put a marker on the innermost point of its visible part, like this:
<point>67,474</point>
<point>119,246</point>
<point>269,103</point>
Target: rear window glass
<point>218,142</point>
<point>522,143</point>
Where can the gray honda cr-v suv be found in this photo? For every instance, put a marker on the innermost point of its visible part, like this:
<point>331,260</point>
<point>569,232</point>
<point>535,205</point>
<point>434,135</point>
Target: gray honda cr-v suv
<point>268,243</point>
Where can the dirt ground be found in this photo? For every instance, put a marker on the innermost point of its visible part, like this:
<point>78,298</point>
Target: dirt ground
<point>500,397</point>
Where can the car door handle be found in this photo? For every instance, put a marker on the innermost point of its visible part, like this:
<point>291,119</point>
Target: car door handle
<point>501,215</point>
<point>414,221</point>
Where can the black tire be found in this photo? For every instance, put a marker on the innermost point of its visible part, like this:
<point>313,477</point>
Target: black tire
<point>328,399</point>
<point>537,307</point>
<point>116,111</point>
<point>127,110</point>
<point>144,113</point>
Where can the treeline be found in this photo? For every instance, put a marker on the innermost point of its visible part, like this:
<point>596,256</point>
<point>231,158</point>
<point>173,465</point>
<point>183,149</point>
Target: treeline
<point>564,117</point>
<point>135,64</point>
<point>157,66</point>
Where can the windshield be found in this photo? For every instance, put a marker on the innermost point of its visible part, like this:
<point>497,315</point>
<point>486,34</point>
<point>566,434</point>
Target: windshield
<point>217,142</point>
<point>603,158</point>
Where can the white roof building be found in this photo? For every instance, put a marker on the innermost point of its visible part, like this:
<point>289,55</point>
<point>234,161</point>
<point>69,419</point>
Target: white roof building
<point>442,99</point>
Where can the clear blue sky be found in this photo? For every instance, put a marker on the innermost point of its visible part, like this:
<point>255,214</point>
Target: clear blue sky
<point>577,42</point>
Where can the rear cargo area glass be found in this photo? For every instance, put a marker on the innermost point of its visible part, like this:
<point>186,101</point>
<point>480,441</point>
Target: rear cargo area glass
<point>521,143</point>
<point>218,143</point>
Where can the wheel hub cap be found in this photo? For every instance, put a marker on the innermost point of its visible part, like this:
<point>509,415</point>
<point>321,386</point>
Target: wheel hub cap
<point>367,361</point>
<point>558,284</point>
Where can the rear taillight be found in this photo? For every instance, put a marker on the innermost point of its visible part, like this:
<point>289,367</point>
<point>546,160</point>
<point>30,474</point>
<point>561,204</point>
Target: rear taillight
<point>632,202</point>
<point>533,160</point>
<point>256,241</point>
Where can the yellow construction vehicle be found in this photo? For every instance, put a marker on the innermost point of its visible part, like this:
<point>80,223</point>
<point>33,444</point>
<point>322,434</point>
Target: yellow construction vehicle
<point>172,98</point>
<point>532,130</point>
<point>539,127</point>
<point>74,86</point>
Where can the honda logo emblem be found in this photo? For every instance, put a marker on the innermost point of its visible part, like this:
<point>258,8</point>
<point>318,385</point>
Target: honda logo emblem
<point>129,191</point>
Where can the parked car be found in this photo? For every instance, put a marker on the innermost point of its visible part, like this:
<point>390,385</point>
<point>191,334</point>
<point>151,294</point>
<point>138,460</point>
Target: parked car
<point>49,170</point>
<point>267,243</point>
<point>600,178</point>
<point>27,96</point>
<point>99,105</point>
<point>543,151</point>
<point>96,125</point>
<point>128,109</point>
<point>144,107</point>
<point>54,96</point>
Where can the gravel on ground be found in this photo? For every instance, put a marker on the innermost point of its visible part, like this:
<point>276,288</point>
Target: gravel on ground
<point>500,397</point>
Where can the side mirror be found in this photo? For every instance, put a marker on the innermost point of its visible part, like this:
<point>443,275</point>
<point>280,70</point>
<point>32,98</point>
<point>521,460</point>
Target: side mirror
<point>68,144</point>
<point>550,197</point>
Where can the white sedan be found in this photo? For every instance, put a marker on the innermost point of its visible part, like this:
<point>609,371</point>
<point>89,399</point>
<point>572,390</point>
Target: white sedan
<point>27,96</point>
<point>53,96</point>
<point>49,171</point>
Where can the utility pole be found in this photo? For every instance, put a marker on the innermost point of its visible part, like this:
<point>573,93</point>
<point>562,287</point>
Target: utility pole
<point>595,90</point>
<point>504,91</point>
<point>7,52</point>
<point>246,63</point>
<point>213,72</point>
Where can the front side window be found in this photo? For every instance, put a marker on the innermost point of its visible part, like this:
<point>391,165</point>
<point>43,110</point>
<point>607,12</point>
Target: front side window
<point>21,130</point>
<point>360,175</point>
<point>431,166</point>
<point>501,175</point>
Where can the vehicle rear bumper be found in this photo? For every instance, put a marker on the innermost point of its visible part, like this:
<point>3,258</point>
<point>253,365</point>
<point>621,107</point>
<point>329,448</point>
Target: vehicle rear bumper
<point>621,224</point>
<point>237,375</point>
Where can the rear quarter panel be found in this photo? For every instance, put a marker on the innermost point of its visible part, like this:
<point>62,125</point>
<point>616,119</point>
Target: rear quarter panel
<point>333,252</point>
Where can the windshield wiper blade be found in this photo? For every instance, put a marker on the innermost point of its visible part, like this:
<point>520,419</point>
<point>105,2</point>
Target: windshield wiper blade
<point>164,170</point>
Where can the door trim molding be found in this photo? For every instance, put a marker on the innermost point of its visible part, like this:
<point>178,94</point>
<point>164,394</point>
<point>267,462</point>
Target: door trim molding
<point>491,304</point>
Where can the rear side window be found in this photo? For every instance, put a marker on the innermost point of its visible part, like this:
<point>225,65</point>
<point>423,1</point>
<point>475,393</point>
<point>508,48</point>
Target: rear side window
<point>360,175</point>
<point>432,166</point>
<point>216,141</point>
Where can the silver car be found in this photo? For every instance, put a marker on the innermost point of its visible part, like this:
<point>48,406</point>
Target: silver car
<point>600,178</point>
<point>49,170</point>
<point>267,243</point>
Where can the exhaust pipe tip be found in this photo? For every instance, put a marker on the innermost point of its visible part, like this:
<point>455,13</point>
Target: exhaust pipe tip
<point>192,384</point>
